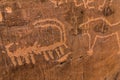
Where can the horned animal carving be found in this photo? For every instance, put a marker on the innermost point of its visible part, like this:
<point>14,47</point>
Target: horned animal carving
<point>99,28</point>
<point>47,37</point>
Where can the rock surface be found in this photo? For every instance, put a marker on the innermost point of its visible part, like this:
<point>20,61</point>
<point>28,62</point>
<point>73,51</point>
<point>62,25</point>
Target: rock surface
<point>59,40</point>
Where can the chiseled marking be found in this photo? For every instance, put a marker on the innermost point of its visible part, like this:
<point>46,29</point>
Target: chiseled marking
<point>79,4</point>
<point>46,56</point>
<point>19,61</point>
<point>8,9</point>
<point>13,61</point>
<point>57,24</point>
<point>47,25</point>
<point>32,58</point>
<point>58,2</point>
<point>25,52</point>
<point>85,3</point>
<point>1,17</point>
<point>27,59</point>
<point>51,54</point>
<point>61,50</point>
<point>58,53</point>
<point>92,43</point>
<point>64,58</point>
<point>106,2</point>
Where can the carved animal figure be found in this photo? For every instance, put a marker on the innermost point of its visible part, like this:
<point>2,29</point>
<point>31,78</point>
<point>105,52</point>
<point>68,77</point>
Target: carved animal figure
<point>99,28</point>
<point>46,37</point>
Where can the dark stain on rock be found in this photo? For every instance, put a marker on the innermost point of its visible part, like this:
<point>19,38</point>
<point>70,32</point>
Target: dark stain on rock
<point>76,32</point>
<point>107,11</point>
<point>74,15</point>
<point>101,28</point>
<point>117,76</point>
<point>42,1</point>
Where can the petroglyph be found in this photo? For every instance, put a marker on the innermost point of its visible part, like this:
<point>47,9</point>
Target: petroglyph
<point>104,29</point>
<point>58,2</point>
<point>88,4</point>
<point>77,3</point>
<point>47,37</point>
<point>105,3</point>
<point>98,26</point>
<point>95,27</point>
<point>40,37</point>
<point>1,17</point>
<point>8,9</point>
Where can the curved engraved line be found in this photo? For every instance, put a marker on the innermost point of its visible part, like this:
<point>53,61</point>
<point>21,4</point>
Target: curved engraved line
<point>24,52</point>
<point>104,3</point>
<point>20,28</point>
<point>53,25</point>
<point>91,46</point>
<point>99,18</point>
<point>51,47</point>
<point>47,25</point>
<point>7,49</point>
<point>66,1</point>
<point>55,20</point>
<point>41,21</point>
<point>58,2</point>
<point>78,5</point>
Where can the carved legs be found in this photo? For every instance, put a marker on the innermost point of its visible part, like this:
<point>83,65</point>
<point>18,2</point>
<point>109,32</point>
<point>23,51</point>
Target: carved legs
<point>94,38</point>
<point>92,41</point>
<point>118,41</point>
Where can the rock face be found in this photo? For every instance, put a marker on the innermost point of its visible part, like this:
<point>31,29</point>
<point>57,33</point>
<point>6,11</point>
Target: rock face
<point>59,40</point>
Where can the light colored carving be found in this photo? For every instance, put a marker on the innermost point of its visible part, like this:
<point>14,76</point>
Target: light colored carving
<point>57,24</point>
<point>63,58</point>
<point>1,17</point>
<point>26,52</point>
<point>61,51</point>
<point>13,60</point>
<point>93,40</point>
<point>8,9</point>
<point>46,56</point>
<point>105,2</point>
<point>59,2</point>
<point>85,3</point>
<point>32,58</point>
<point>58,53</point>
<point>19,61</point>
<point>78,3</point>
<point>51,54</point>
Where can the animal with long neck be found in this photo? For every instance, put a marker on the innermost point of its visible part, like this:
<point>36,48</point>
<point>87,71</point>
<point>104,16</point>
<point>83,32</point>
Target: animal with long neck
<point>99,28</point>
